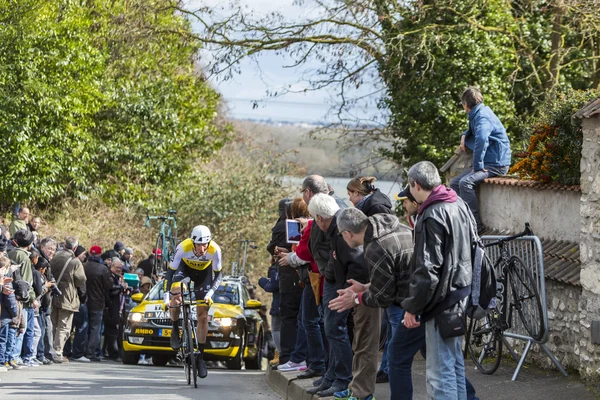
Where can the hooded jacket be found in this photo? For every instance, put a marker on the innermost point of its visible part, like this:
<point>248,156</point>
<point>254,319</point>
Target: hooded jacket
<point>376,203</point>
<point>278,233</point>
<point>344,262</point>
<point>388,251</point>
<point>442,266</point>
<point>21,256</point>
<point>72,279</point>
<point>271,285</point>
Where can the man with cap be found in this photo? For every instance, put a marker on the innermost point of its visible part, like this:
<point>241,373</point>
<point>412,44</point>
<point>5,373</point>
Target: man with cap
<point>410,205</point>
<point>126,258</point>
<point>98,285</point>
<point>70,279</point>
<point>119,247</point>
<point>20,255</point>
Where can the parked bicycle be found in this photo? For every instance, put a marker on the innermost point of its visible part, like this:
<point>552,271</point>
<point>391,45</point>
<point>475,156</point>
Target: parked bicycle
<point>166,240</point>
<point>517,290</point>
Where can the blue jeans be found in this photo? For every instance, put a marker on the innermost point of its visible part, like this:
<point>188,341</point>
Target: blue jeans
<point>28,350</point>
<point>402,348</point>
<point>445,365</point>
<point>394,316</point>
<point>95,331</point>
<point>301,348</point>
<point>336,330</point>
<point>80,323</point>
<point>464,185</point>
<point>4,328</point>
<point>10,344</point>
<point>311,319</point>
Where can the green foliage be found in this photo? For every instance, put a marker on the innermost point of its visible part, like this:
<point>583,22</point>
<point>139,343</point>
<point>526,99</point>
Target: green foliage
<point>553,153</point>
<point>93,101</point>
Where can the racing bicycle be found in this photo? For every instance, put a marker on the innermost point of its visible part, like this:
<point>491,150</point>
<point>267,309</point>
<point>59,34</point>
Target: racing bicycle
<point>165,241</point>
<point>516,291</point>
<point>189,343</point>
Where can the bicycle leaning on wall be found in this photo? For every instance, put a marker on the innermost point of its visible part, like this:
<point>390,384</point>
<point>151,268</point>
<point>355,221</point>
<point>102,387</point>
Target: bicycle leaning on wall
<point>517,291</point>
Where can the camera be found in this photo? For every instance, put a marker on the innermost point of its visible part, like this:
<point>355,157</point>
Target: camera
<point>54,289</point>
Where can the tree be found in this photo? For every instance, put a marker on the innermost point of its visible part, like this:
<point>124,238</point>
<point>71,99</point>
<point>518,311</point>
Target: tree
<point>424,53</point>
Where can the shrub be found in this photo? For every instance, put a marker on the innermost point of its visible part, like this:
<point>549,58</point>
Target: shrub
<point>553,153</point>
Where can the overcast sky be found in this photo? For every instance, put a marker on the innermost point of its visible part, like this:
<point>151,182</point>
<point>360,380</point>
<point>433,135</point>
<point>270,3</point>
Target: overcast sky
<point>252,84</point>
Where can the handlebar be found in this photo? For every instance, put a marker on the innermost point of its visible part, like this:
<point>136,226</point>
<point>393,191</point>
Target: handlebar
<point>526,232</point>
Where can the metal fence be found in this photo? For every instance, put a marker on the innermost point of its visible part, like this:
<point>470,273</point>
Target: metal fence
<point>529,250</point>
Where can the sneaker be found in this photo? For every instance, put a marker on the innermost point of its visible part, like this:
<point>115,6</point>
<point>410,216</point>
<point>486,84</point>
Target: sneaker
<point>292,366</point>
<point>143,362</point>
<point>45,361</point>
<point>3,368</point>
<point>343,395</point>
<point>369,397</point>
<point>96,359</point>
<point>31,363</point>
<point>382,377</point>
<point>19,361</point>
<point>81,359</point>
<point>13,365</point>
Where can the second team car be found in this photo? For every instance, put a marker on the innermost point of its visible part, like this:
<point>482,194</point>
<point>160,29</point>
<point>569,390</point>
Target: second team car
<point>235,329</point>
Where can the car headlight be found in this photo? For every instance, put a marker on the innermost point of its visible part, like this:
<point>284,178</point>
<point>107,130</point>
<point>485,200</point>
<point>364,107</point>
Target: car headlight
<point>137,317</point>
<point>225,321</point>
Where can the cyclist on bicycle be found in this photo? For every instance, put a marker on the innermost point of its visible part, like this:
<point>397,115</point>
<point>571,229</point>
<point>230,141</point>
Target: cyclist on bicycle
<point>198,258</point>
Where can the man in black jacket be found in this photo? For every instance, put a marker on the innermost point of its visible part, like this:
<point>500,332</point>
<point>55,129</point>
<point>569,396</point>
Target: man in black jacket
<point>344,263</point>
<point>441,278</point>
<point>98,285</point>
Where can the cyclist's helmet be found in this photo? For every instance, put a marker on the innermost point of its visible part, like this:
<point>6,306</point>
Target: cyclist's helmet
<point>201,234</point>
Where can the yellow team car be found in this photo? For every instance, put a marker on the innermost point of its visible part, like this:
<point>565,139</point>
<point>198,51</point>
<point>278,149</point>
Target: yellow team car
<point>235,331</point>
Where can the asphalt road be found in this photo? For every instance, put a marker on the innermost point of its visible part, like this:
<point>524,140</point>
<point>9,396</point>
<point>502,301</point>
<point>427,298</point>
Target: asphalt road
<point>108,379</point>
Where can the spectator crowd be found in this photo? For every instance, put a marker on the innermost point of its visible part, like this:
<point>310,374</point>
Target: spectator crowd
<point>61,302</point>
<point>354,267</point>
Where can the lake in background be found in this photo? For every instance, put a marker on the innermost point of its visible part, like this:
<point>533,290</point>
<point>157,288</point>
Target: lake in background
<point>339,187</point>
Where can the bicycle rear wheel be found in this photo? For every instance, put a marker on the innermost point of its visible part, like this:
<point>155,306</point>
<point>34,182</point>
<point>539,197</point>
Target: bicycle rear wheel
<point>526,298</point>
<point>484,344</point>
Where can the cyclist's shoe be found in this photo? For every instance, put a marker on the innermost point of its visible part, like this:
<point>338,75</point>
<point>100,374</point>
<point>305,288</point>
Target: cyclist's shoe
<point>201,365</point>
<point>175,339</point>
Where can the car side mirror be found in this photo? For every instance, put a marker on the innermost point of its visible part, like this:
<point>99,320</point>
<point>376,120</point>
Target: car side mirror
<point>253,305</point>
<point>138,297</point>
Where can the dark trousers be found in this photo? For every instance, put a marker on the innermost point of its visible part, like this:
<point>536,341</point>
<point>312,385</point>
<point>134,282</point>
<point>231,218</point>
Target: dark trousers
<point>401,351</point>
<point>336,330</point>
<point>41,345</point>
<point>111,335</point>
<point>288,309</point>
<point>80,324</point>
<point>94,331</point>
<point>301,348</point>
<point>312,321</point>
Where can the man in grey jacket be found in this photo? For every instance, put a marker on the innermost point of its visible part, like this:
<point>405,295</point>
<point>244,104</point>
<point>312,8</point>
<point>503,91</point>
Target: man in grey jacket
<point>70,276</point>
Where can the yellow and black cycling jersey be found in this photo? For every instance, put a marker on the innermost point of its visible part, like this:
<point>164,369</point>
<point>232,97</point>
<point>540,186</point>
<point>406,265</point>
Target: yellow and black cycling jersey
<point>199,268</point>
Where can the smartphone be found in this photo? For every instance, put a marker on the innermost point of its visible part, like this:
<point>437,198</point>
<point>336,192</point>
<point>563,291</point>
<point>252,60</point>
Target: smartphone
<point>292,230</point>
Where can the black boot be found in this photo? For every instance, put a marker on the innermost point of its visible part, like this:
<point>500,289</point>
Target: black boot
<point>200,364</point>
<point>175,339</point>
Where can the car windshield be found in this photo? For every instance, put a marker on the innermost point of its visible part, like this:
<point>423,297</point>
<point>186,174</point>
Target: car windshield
<point>225,294</point>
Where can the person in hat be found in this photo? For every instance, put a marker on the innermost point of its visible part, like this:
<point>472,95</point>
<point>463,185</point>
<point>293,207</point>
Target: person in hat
<point>148,264</point>
<point>410,205</point>
<point>98,285</point>
<point>20,255</point>
<point>119,247</point>
<point>126,258</point>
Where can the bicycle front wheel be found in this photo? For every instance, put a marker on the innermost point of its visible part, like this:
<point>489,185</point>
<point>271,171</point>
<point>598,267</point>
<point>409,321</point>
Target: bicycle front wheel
<point>484,344</point>
<point>526,298</point>
<point>157,268</point>
<point>191,359</point>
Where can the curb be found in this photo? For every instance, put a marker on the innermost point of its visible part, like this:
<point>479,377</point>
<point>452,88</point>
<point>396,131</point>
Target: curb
<point>290,388</point>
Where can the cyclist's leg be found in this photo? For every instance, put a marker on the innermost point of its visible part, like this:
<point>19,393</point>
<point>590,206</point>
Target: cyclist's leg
<point>174,310</point>
<point>201,287</point>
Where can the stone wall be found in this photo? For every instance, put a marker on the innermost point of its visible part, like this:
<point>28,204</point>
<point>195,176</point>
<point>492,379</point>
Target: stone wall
<point>590,247</point>
<point>553,214</point>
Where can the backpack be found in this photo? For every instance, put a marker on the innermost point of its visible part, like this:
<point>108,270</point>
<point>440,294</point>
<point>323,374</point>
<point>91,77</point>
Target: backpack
<point>483,284</point>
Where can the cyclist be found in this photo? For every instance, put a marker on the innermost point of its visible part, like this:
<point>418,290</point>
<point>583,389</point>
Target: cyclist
<point>198,258</point>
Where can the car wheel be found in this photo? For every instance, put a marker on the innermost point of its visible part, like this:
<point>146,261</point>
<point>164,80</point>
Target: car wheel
<point>131,357</point>
<point>160,360</point>
<point>256,363</point>
<point>237,361</point>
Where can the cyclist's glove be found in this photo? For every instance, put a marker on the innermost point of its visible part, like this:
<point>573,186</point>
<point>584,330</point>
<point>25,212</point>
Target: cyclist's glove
<point>208,297</point>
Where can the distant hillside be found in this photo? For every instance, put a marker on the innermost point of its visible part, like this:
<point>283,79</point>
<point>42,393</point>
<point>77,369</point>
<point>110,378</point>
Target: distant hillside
<point>324,156</point>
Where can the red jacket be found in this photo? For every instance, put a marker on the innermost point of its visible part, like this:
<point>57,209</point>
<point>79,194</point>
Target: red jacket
<point>302,249</point>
